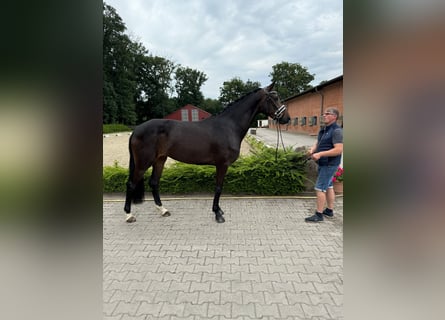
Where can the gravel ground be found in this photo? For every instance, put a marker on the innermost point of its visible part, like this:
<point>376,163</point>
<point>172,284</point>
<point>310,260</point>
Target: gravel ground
<point>115,148</point>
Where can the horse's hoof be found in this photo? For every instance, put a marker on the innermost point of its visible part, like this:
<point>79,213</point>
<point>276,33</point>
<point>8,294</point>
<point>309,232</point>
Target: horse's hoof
<point>166,214</point>
<point>127,209</point>
<point>130,218</point>
<point>219,218</point>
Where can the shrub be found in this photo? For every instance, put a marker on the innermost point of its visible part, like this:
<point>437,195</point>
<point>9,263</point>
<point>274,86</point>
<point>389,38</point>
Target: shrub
<point>115,127</point>
<point>114,179</point>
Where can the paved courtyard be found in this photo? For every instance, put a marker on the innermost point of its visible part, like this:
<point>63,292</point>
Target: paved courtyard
<point>264,262</point>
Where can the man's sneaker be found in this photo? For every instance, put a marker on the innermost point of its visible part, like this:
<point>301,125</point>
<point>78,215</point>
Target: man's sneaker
<point>317,217</point>
<point>328,212</point>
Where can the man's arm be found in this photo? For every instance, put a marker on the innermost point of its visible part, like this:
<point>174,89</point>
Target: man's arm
<point>335,151</point>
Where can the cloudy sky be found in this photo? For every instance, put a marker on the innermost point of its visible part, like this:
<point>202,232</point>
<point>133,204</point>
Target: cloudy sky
<point>239,38</point>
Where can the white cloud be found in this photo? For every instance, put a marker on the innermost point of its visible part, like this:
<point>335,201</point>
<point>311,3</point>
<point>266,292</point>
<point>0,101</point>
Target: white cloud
<point>226,39</point>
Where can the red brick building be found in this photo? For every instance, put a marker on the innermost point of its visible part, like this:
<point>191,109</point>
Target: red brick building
<point>188,113</point>
<point>306,107</point>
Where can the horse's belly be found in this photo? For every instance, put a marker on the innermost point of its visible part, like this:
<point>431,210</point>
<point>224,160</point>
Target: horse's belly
<point>192,156</point>
<point>199,154</point>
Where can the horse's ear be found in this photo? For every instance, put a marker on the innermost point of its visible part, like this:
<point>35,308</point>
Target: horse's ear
<point>270,87</point>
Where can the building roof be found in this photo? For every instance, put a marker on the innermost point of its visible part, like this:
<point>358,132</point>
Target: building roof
<point>316,88</point>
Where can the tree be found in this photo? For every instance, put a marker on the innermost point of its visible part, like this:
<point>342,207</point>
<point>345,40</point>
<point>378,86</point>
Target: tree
<point>290,78</point>
<point>188,86</point>
<point>136,85</point>
<point>109,101</point>
<point>119,78</point>
<point>235,88</point>
<point>154,76</point>
<point>212,106</point>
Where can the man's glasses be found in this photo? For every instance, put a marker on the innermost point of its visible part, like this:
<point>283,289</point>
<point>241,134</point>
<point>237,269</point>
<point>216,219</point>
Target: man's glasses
<point>326,114</point>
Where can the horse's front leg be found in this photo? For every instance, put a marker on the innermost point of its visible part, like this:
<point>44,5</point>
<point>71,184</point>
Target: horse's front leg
<point>220,174</point>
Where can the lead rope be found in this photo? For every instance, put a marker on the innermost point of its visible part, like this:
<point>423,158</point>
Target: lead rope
<point>277,115</point>
<point>279,137</point>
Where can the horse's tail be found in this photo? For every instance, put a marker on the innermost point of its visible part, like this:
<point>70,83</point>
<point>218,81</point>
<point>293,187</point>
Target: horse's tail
<point>135,189</point>
<point>131,164</point>
<point>138,190</point>
<point>130,187</point>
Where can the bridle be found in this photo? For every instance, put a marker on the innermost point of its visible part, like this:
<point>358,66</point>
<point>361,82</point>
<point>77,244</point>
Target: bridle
<point>279,112</point>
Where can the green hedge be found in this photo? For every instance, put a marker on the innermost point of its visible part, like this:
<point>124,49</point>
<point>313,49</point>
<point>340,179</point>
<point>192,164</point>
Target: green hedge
<point>115,127</point>
<point>262,173</point>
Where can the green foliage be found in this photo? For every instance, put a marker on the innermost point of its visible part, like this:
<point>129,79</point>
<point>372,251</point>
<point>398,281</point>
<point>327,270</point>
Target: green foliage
<point>153,76</point>
<point>187,178</point>
<point>114,127</point>
<point>119,54</point>
<point>212,106</point>
<point>265,172</point>
<point>236,88</point>
<point>188,86</point>
<point>290,78</point>
<point>114,179</point>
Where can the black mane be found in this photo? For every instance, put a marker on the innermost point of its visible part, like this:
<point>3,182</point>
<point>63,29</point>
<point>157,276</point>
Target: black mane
<point>231,104</point>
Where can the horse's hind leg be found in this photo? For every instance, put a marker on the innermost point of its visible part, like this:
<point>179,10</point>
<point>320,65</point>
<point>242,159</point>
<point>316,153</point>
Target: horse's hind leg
<point>135,193</point>
<point>129,196</point>
<point>158,167</point>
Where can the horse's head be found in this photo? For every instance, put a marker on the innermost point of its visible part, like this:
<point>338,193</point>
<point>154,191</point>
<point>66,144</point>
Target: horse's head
<point>273,106</point>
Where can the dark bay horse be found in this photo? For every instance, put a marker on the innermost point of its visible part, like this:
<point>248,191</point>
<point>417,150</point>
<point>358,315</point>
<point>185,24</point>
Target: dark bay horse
<point>213,141</point>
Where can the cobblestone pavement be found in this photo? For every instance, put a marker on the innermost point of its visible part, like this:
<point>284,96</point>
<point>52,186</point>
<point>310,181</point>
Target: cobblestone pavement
<point>264,262</point>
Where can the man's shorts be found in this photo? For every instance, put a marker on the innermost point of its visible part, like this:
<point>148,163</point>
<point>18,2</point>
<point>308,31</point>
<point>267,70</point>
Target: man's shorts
<point>324,179</point>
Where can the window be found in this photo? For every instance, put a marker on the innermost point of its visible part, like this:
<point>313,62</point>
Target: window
<point>313,121</point>
<point>184,115</point>
<point>195,115</point>
<point>295,123</point>
<point>303,121</point>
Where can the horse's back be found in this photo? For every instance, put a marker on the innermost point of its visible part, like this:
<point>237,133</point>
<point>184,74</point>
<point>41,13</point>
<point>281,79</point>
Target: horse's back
<point>152,127</point>
<point>173,129</point>
<point>168,134</point>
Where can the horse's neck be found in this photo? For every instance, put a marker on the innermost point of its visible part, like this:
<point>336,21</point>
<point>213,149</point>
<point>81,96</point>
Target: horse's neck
<point>242,114</point>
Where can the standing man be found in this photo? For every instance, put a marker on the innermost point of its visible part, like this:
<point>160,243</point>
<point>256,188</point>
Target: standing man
<point>327,153</point>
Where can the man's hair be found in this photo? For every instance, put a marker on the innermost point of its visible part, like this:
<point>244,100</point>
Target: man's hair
<point>334,111</point>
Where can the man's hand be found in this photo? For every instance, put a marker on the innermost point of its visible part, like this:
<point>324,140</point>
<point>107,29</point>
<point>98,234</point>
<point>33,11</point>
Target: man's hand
<point>311,150</point>
<point>316,156</point>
